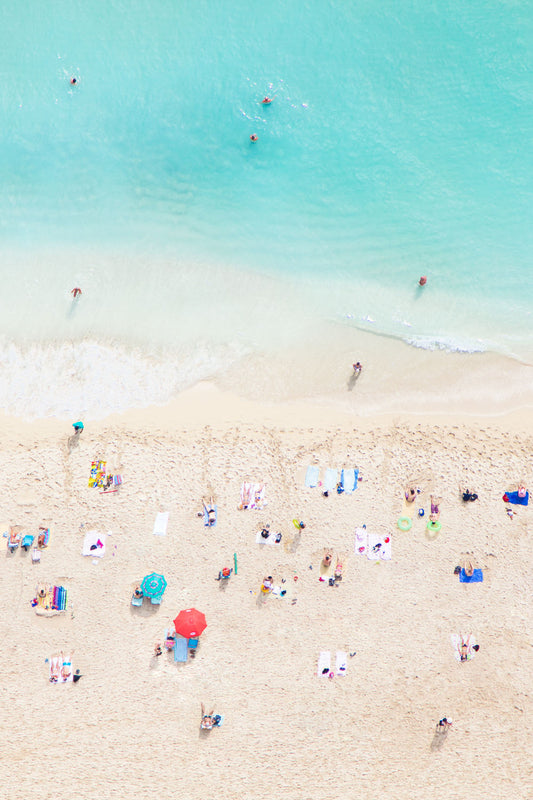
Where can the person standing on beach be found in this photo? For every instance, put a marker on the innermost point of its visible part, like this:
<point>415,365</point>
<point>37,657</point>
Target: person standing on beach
<point>423,280</point>
<point>78,427</point>
<point>357,367</point>
<point>76,292</point>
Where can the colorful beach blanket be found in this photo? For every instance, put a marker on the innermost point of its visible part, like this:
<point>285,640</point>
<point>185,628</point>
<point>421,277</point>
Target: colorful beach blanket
<point>98,473</point>
<point>54,601</point>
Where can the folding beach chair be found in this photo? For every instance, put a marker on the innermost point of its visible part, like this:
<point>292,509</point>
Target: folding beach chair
<point>180,650</point>
<point>156,601</point>
<point>192,645</point>
<point>136,601</point>
<point>35,555</point>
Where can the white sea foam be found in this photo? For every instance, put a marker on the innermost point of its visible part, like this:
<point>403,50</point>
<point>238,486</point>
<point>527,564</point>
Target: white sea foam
<point>448,344</point>
<point>94,379</point>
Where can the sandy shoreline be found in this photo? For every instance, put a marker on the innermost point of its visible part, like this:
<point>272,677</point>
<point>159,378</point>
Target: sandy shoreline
<point>131,726</point>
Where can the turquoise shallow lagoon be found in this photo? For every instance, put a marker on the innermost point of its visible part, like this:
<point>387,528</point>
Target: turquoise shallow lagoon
<point>397,144</point>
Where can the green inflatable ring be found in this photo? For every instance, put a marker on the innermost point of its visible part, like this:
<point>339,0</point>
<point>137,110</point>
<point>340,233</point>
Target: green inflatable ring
<point>434,526</point>
<point>405,523</point>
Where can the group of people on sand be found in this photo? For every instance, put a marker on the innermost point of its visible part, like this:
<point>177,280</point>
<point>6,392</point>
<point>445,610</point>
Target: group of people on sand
<point>61,669</point>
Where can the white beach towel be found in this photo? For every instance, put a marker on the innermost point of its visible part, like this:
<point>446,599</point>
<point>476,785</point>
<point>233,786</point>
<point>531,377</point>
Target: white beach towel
<point>456,644</point>
<point>270,540</point>
<point>91,539</point>
<point>252,495</point>
<point>311,477</point>
<point>324,664</point>
<point>378,548</point>
<point>340,663</point>
<point>361,541</point>
<point>161,522</point>
<point>349,480</point>
<point>331,479</point>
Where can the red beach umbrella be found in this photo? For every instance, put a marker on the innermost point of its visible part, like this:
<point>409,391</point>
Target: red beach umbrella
<point>190,623</point>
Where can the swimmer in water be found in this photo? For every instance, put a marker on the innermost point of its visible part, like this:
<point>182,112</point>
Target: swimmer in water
<point>73,81</point>
<point>266,101</point>
<point>423,280</point>
<point>254,137</point>
<point>76,292</point>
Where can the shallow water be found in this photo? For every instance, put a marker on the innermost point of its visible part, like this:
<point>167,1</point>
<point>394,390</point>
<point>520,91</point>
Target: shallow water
<point>397,144</point>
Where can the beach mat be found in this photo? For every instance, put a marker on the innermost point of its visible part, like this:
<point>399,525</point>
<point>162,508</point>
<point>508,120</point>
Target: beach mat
<point>160,524</point>
<point>331,480</point>
<point>378,548</point>
<point>349,480</point>
<point>512,497</point>
<point>207,523</point>
<point>91,540</point>
<point>181,650</point>
<point>456,644</point>
<point>324,664</point>
<point>270,540</point>
<point>476,577</point>
<point>311,477</point>
<point>340,663</point>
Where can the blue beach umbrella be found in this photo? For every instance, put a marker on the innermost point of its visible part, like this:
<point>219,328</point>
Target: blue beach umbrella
<point>153,585</point>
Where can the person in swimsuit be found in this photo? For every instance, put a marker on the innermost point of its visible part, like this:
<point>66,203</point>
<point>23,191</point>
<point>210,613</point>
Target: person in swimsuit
<point>410,495</point>
<point>157,649</point>
<point>208,720</point>
<point>76,292</point>
<point>266,101</point>
<point>66,669</point>
<point>444,724</point>
<point>435,511</point>
<point>56,663</point>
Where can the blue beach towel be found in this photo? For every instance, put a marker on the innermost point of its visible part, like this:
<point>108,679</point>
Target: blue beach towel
<point>512,497</point>
<point>180,650</point>
<point>349,480</point>
<point>330,480</point>
<point>207,523</point>
<point>311,477</point>
<point>476,577</point>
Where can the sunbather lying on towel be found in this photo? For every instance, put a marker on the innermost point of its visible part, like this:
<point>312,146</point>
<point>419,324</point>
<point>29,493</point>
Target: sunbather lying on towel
<point>66,668</point>
<point>56,663</point>
<point>435,510</point>
<point>210,511</point>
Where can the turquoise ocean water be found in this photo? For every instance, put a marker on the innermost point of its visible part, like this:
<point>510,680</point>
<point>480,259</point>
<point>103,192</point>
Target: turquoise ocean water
<point>397,144</point>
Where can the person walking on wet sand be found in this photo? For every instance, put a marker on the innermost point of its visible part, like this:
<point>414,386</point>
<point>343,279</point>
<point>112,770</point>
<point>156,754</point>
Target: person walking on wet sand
<point>76,292</point>
<point>357,367</point>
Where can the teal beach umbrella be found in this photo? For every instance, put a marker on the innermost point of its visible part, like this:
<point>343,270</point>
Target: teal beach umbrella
<point>153,585</point>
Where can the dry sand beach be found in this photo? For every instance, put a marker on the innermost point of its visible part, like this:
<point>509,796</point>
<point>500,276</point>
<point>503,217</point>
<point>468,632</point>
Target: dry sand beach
<point>131,727</point>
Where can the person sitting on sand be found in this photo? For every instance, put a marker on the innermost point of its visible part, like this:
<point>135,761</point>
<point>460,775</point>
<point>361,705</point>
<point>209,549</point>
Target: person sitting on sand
<point>326,561</point>
<point>410,495</point>
<point>444,724</point>
<point>157,649</point>
<point>137,592</point>
<point>224,574</point>
<point>210,720</point>
<point>266,586</point>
